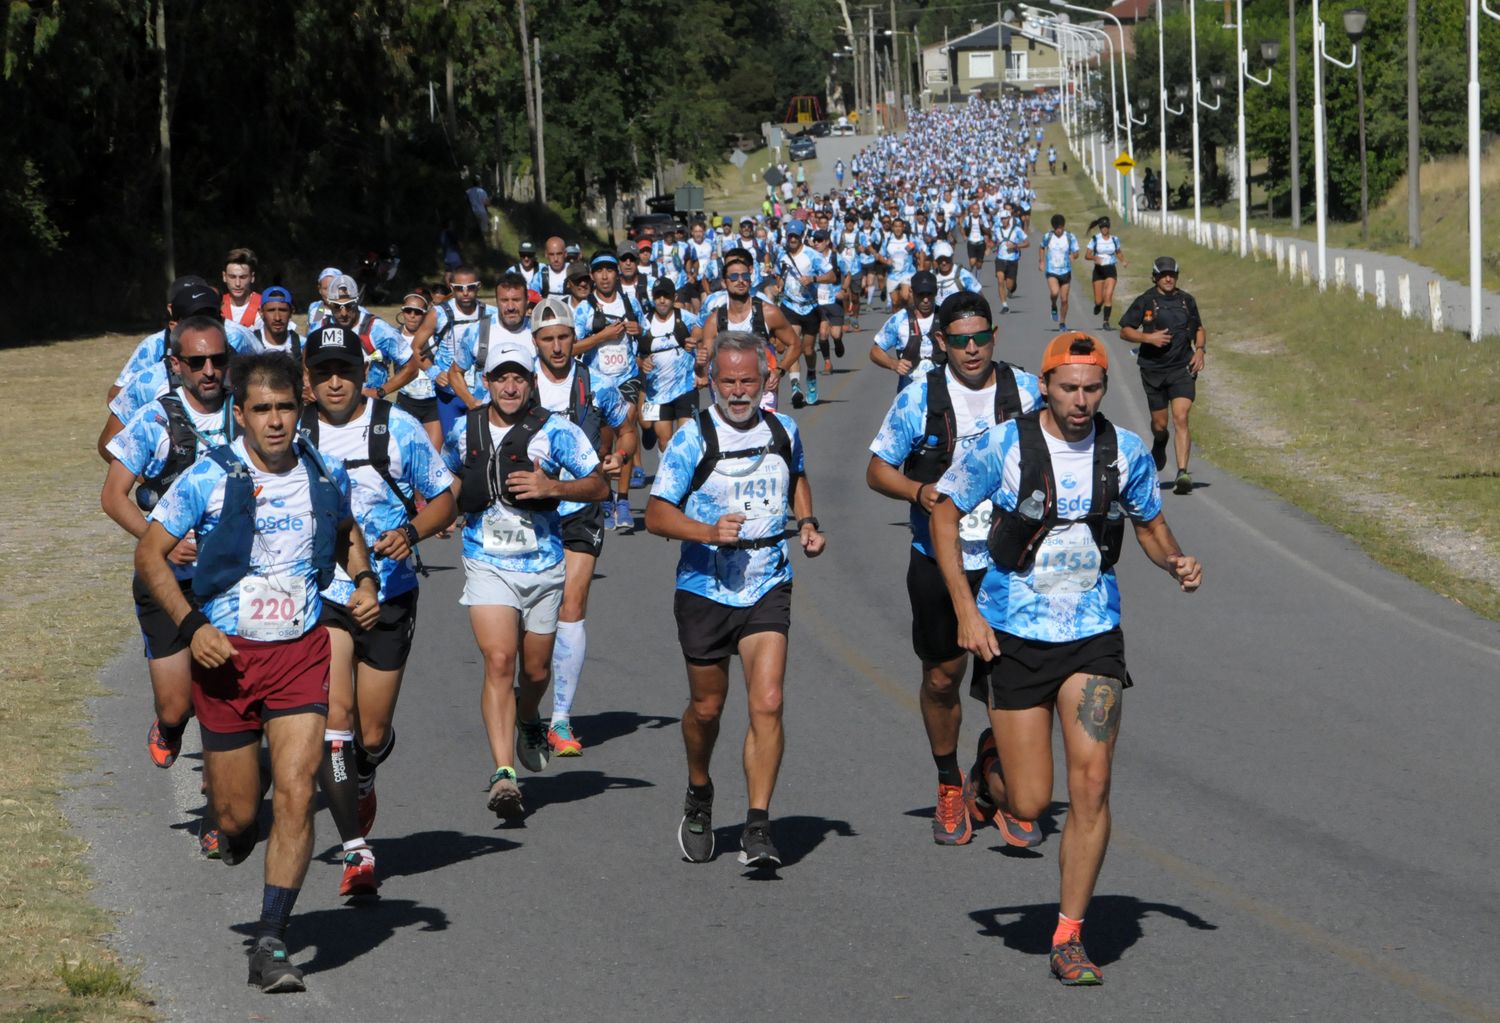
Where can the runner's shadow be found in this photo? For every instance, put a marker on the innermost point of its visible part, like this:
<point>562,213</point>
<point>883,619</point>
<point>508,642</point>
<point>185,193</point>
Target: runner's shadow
<point>1169,484</point>
<point>1114,925</point>
<point>551,789</point>
<point>408,855</point>
<point>344,934</point>
<point>597,729</point>
<point>795,837</point>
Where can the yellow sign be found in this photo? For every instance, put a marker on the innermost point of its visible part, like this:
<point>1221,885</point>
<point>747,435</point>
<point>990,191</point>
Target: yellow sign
<point>1124,164</point>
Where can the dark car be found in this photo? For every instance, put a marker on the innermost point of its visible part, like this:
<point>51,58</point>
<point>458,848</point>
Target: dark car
<point>818,130</point>
<point>660,224</point>
<point>802,148</point>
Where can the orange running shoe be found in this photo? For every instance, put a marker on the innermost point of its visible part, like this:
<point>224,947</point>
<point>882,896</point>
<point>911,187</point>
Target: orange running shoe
<point>562,740</point>
<point>359,873</point>
<point>1015,831</point>
<point>163,753</point>
<point>1072,966</point>
<point>950,822</point>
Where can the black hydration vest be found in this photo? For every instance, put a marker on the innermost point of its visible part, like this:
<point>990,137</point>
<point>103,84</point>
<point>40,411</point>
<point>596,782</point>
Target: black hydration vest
<point>780,446</point>
<point>912,353</point>
<point>486,468</point>
<point>601,318</point>
<point>757,318</point>
<point>482,349</point>
<point>581,407</point>
<point>294,343</point>
<point>1015,537</point>
<point>928,462</point>
<point>182,449</point>
<point>379,453</point>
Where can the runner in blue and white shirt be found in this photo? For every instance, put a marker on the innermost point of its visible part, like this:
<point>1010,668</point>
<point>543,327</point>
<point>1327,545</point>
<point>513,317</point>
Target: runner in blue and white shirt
<point>893,346</point>
<point>1055,259</point>
<point>703,256</point>
<point>951,278</point>
<point>1010,239</point>
<point>801,270</point>
<point>1105,253</point>
<point>898,252</point>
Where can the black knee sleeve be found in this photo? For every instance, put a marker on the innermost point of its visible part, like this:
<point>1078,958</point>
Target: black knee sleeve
<point>367,760</point>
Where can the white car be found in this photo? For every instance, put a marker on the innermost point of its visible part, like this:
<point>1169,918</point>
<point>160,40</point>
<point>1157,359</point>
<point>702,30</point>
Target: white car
<point>843,127</point>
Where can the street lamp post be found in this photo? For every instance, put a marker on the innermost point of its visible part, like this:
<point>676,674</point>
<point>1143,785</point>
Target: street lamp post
<point>1354,25</point>
<point>1089,31</point>
<point>1364,171</point>
<point>1269,51</point>
<point>1217,81</point>
<point>1476,264</point>
<point>1124,78</point>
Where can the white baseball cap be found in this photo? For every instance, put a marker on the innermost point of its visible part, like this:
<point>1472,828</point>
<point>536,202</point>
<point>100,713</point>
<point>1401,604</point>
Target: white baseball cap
<point>513,352</point>
<point>942,249</point>
<point>549,312</point>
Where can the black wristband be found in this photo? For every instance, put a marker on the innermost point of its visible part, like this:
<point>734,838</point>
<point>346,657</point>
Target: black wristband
<point>191,623</point>
<point>811,520</point>
<point>409,531</point>
<point>372,575</point>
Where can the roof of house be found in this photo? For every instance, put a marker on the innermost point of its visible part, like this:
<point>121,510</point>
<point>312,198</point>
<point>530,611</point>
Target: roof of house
<point>1133,10</point>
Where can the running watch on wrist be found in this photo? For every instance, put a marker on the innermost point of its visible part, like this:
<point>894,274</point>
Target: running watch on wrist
<point>380,392</point>
<point>811,519</point>
<point>373,577</point>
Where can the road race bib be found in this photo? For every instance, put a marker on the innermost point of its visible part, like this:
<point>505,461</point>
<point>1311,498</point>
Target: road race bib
<point>975,526</point>
<point>1067,562</point>
<point>271,607</point>
<point>760,494</point>
<point>614,358</point>
<point>650,411</point>
<point>507,532</point>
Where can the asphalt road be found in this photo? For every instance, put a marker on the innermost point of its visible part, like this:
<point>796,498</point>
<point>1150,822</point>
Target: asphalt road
<point>1304,803</point>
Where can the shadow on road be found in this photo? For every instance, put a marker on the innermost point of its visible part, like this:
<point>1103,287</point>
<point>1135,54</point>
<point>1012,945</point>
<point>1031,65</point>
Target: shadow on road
<point>597,729</point>
<point>795,836</point>
<point>571,786</point>
<point>1114,925</point>
<point>408,855</point>
<point>343,935</point>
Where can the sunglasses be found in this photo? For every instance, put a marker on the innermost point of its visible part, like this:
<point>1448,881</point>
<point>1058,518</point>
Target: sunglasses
<point>738,277</point>
<point>978,339</point>
<point>196,362</point>
<point>345,305</point>
<point>418,310</point>
<point>466,287</point>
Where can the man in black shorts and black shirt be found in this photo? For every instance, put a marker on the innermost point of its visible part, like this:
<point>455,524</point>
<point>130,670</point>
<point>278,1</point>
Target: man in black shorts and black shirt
<point>1165,323</point>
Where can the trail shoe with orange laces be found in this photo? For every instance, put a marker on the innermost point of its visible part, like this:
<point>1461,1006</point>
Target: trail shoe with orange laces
<point>163,751</point>
<point>1015,831</point>
<point>1072,966</point>
<point>950,821</point>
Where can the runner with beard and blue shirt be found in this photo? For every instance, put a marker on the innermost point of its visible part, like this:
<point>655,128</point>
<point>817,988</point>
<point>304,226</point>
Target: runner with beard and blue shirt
<point>272,518</point>
<point>724,488</point>
<point>608,329</point>
<point>508,491</point>
<point>898,253</point>
<point>1046,626</point>
<point>564,388</point>
<point>904,344</point>
<point>391,465</point>
<point>930,423</point>
<point>274,315</point>
<point>801,269</point>
<point>159,443</point>
<point>1010,239</point>
<point>1055,257</point>
<point>740,307</point>
<point>389,365</point>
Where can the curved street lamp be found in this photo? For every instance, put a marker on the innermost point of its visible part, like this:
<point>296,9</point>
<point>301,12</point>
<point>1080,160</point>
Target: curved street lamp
<point>1354,25</point>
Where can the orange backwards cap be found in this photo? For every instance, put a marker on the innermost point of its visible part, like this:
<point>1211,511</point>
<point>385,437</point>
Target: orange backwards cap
<point>1059,352</point>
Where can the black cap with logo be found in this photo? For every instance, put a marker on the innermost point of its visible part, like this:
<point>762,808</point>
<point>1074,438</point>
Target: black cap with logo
<point>333,344</point>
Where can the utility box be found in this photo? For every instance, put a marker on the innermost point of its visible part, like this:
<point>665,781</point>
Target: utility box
<point>689,199</point>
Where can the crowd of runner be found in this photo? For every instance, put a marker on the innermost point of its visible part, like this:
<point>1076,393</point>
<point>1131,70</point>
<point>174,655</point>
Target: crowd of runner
<point>280,478</point>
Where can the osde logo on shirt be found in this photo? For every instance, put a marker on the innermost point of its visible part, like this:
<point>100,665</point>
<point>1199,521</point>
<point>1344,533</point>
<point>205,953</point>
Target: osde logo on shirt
<point>287,523</point>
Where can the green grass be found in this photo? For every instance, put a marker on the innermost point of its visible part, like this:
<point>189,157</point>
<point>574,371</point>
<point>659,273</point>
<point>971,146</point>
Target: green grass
<point>1374,424</point>
<point>1444,216</point>
<point>65,611</point>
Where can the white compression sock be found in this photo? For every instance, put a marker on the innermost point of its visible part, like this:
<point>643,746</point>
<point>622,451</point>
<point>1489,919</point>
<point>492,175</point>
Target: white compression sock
<point>567,664</point>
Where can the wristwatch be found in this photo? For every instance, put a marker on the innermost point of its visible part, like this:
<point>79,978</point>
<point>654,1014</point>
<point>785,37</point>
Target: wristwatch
<point>361,576</point>
<point>380,392</point>
<point>813,519</point>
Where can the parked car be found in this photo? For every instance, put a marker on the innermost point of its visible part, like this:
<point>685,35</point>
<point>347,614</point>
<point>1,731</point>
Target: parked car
<point>843,127</point>
<point>802,148</point>
<point>660,223</point>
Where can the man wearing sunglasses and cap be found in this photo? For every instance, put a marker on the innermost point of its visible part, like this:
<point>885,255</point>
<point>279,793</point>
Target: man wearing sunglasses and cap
<point>388,357</point>
<point>507,456</point>
<point>159,443</point>
<point>1164,321</point>
<point>1046,625</point>
<point>940,415</point>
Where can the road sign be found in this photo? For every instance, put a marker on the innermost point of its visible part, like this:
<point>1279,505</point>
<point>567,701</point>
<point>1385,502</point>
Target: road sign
<point>738,158</point>
<point>1124,164</point>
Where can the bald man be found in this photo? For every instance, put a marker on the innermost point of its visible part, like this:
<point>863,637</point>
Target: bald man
<point>550,279</point>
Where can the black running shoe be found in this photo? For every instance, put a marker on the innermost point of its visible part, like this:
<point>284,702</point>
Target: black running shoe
<point>1159,452</point>
<point>756,847</point>
<point>1184,484</point>
<point>271,971</point>
<point>695,835</point>
<point>838,346</point>
<point>1097,307</point>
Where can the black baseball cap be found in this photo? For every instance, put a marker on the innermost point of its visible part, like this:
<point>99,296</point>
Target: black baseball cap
<point>333,344</point>
<point>1164,265</point>
<point>192,296</point>
<point>663,286</point>
<point>924,282</point>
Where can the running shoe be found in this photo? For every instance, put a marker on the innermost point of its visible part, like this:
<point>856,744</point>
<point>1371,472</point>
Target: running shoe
<point>756,847</point>
<point>950,822</point>
<point>1098,308</point>
<point>797,400</point>
<point>1015,831</point>
<point>1184,484</point>
<point>1062,326</point>
<point>856,328</point>
<point>208,841</point>
<point>1054,314</point>
<point>812,390</point>
<point>163,753</point>
<point>1005,307</point>
<point>505,795</point>
<point>609,513</point>
<point>359,873</point>
<point>531,744</point>
<point>271,970</point>
<point>562,740</point>
<point>637,477</point>
<point>838,345</point>
<point>624,520</point>
<point>827,365</point>
<point>368,804</point>
<point>695,834</point>
<point>1159,452</point>
<point>1071,965</point>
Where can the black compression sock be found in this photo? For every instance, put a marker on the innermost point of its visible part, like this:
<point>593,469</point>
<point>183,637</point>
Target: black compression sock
<point>1107,310</point>
<point>340,785</point>
<point>172,733</point>
<point>947,767</point>
<point>275,911</point>
<point>753,816</point>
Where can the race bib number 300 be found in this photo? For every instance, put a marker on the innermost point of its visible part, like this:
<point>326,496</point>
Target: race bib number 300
<point>271,607</point>
<point>614,359</point>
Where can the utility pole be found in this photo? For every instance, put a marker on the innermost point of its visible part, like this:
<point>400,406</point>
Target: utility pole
<point>1413,134</point>
<point>895,64</point>
<point>164,132</point>
<point>541,124</point>
<point>874,84</point>
<point>451,109</point>
<point>536,179</point>
<point>1291,18</point>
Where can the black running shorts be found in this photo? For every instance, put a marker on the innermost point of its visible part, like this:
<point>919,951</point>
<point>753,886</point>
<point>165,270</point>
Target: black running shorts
<point>1106,273</point>
<point>159,633</point>
<point>710,632</point>
<point>583,531</point>
<point>386,646</point>
<point>1029,672</point>
<point>1163,385</point>
<point>934,623</point>
<point>423,410</point>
